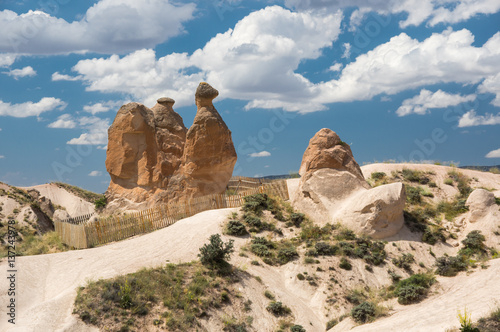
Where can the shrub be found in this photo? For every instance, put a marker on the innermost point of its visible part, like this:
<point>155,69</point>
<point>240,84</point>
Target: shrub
<point>473,244</point>
<point>101,202</point>
<point>260,250</point>
<point>346,234</point>
<point>414,288</point>
<point>404,261</point>
<point>331,323</point>
<point>278,309</point>
<point>432,236</point>
<point>466,322</point>
<point>378,175</point>
<point>355,297</point>
<point>364,312</point>
<point>497,200</point>
<point>297,328</point>
<point>287,254</point>
<point>313,232</point>
<point>410,293</point>
<point>413,195</point>
<point>345,264</point>
<point>453,208</point>
<point>215,253</point>
<point>325,249</point>
<point>255,203</point>
<point>448,182</point>
<point>297,218</point>
<point>269,295</point>
<point>234,227</point>
<point>300,276</point>
<point>252,220</point>
<point>449,266</point>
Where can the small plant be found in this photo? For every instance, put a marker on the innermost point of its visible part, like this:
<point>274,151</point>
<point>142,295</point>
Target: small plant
<point>269,295</point>
<point>413,195</point>
<point>404,261</point>
<point>449,266</point>
<point>378,175</point>
<point>364,312</point>
<point>466,322</point>
<point>278,309</point>
<point>216,253</point>
<point>448,182</point>
<point>234,227</point>
<point>125,295</point>
<point>297,218</point>
<point>473,244</point>
<point>345,264</point>
<point>414,288</point>
<point>300,276</point>
<point>297,328</point>
<point>101,202</point>
<point>331,323</point>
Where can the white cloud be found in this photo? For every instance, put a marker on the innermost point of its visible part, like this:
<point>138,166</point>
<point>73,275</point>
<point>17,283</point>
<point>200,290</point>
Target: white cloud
<point>63,77</point>
<point>104,147</point>
<point>493,154</point>
<point>96,131</point>
<point>6,59</point>
<point>2,157</point>
<point>29,108</point>
<point>336,67</point>
<point>64,121</point>
<point>347,51</point>
<point>95,173</point>
<point>260,154</point>
<point>26,71</point>
<point>418,11</point>
<point>426,100</point>
<point>108,26</point>
<point>102,106</point>
<point>256,58</point>
<point>470,119</point>
<point>492,85</point>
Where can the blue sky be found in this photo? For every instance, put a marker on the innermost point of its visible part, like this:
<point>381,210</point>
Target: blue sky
<point>398,80</point>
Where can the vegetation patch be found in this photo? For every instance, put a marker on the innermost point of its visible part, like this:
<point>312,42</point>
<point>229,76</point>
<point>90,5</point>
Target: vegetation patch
<point>85,194</point>
<point>273,252</point>
<point>172,297</point>
<point>414,288</point>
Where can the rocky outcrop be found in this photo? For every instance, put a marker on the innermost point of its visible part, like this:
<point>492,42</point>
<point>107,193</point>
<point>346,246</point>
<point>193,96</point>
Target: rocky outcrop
<point>333,189</point>
<point>327,150</point>
<point>152,157</point>
<point>479,203</point>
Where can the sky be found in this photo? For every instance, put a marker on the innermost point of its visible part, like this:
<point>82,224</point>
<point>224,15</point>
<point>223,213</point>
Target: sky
<point>409,80</point>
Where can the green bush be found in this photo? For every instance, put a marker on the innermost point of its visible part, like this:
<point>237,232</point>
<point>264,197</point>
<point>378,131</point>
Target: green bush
<point>473,244</point>
<point>252,220</point>
<point>413,195</point>
<point>432,236</point>
<point>278,309</point>
<point>216,253</point>
<point>404,261</point>
<point>448,182</point>
<point>364,312</point>
<point>414,176</point>
<point>452,209</point>
<point>300,276</point>
<point>355,297</point>
<point>410,293</point>
<point>345,264</point>
<point>101,202</point>
<point>378,175</point>
<point>269,295</point>
<point>449,266</point>
<point>297,218</point>
<point>287,254</point>
<point>255,203</point>
<point>297,328</point>
<point>331,323</point>
<point>234,227</point>
<point>325,249</point>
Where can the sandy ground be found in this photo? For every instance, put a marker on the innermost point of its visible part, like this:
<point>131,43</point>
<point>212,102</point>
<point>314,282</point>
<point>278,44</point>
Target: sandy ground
<point>479,292</point>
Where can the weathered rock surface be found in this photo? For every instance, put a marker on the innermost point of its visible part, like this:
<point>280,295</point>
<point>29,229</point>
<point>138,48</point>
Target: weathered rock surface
<point>479,203</point>
<point>377,212</point>
<point>327,150</point>
<point>152,157</point>
<point>333,189</point>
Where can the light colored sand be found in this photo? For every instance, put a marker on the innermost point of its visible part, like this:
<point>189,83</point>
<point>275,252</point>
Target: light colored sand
<point>75,206</point>
<point>479,292</point>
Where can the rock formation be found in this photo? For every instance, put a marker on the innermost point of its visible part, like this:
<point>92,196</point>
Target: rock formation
<point>333,189</point>
<point>479,202</point>
<point>152,157</point>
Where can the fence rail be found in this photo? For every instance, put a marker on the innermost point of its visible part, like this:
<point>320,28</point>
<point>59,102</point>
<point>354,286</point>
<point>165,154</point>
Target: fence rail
<point>79,232</point>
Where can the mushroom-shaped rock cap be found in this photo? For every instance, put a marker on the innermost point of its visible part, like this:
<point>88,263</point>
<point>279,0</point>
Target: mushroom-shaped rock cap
<point>165,101</point>
<point>206,91</point>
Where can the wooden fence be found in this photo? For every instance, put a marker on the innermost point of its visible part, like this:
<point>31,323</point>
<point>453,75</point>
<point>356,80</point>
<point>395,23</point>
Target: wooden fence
<point>78,233</point>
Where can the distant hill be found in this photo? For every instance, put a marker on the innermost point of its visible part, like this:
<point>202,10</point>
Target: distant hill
<point>493,169</point>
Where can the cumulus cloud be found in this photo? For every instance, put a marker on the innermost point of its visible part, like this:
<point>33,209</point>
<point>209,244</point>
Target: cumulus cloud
<point>109,26</point>
<point>418,11</point>
<point>492,85</point>
<point>260,154</point>
<point>471,119</point>
<point>2,157</point>
<point>26,71</point>
<point>102,106</point>
<point>95,131</point>
<point>493,154</point>
<point>426,100</point>
<point>6,59</point>
<point>258,57</point>
<point>64,121</point>
<point>30,108</point>
<point>95,173</point>
<point>63,77</point>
